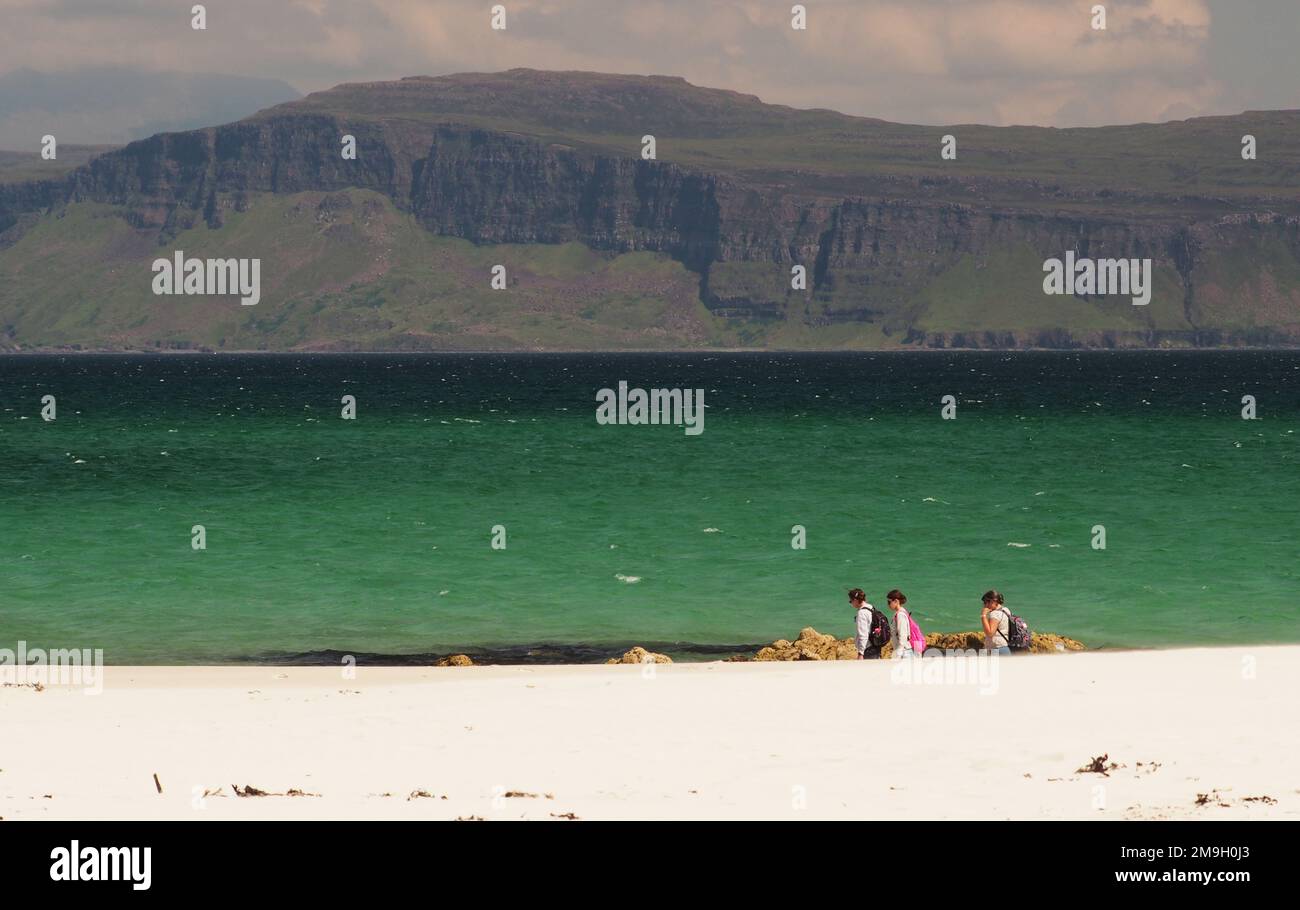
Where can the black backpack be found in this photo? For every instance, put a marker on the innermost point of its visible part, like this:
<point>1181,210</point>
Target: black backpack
<point>880,634</point>
<point>1019,638</point>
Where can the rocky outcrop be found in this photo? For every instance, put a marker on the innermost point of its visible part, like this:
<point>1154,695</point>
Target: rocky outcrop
<point>456,660</point>
<point>639,655</point>
<point>1049,643</point>
<point>30,199</point>
<point>814,645</point>
<point>810,645</point>
<point>1041,643</point>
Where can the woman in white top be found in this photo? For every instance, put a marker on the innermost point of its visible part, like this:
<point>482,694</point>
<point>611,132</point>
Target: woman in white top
<point>902,624</point>
<point>996,621</point>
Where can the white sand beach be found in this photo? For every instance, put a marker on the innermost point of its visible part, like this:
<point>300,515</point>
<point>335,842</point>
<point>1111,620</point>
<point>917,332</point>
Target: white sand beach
<point>843,740</point>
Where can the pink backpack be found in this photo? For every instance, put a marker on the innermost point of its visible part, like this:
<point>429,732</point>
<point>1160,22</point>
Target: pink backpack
<point>915,637</point>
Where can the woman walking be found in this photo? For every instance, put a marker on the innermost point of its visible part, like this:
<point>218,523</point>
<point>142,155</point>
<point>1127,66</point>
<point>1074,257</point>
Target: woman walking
<point>902,624</point>
<point>996,621</point>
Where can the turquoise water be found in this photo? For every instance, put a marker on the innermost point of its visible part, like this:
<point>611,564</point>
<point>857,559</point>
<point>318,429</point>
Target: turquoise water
<point>373,536</point>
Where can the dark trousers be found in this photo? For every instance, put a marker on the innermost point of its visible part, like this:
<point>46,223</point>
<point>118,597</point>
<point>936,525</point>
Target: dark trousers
<point>871,653</point>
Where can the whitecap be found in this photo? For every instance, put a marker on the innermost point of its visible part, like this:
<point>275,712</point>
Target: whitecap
<point>712,531</point>
<point>628,579</point>
<point>1019,545</point>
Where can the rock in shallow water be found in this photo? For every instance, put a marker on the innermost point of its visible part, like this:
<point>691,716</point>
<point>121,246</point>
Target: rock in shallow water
<point>639,655</point>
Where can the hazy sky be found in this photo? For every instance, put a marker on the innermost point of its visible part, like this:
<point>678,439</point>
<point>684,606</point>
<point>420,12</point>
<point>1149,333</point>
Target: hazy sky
<point>919,61</point>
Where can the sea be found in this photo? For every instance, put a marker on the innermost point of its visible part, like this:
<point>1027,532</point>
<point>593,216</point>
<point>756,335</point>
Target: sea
<point>218,508</point>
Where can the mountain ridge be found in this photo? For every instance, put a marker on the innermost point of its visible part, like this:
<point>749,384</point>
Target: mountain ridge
<point>902,248</point>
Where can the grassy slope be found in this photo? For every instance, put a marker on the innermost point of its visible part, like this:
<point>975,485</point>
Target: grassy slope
<point>1006,293</point>
<point>353,273</point>
<point>1263,271</point>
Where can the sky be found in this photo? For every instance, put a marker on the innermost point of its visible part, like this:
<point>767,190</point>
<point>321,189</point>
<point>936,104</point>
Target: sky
<point>998,62</point>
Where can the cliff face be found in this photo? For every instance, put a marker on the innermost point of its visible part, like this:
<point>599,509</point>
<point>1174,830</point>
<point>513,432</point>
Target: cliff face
<point>469,183</point>
<point>173,180</point>
<point>491,188</point>
<point>927,260</point>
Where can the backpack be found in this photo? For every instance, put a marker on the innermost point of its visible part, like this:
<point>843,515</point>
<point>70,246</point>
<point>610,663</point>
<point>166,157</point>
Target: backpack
<point>1019,638</point>
<point>915,636</point>
<point>880,634</point>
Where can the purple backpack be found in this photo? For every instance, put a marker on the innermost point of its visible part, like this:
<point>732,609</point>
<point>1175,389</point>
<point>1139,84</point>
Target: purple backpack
<point>1019,638</point>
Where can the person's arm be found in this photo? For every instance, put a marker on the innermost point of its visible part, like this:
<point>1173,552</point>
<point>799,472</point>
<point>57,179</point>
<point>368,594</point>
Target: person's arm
<point>990,625</point>
<point>863,639</point>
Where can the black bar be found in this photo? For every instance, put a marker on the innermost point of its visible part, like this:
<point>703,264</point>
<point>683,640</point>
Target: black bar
<point>301,860</point>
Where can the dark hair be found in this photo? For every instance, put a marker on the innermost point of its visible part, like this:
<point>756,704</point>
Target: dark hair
<point>857,594</point>
<point>896,595</point>
<point>992,597</point>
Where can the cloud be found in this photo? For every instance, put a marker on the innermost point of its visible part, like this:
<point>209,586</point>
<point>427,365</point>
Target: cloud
<point>924,61</point>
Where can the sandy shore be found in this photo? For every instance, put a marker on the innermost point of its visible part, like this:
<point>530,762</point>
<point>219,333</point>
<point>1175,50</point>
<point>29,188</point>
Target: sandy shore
<point>716,740</point>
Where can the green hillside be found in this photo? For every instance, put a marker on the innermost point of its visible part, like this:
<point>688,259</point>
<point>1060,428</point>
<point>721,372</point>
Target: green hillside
<point>343,271</point>
<point>348,271</point>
